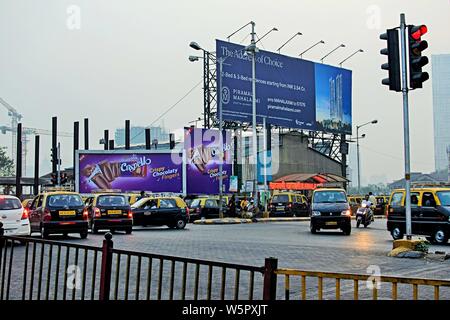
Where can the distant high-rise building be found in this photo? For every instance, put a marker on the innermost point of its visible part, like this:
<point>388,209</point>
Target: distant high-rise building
<point>441,108</point>
<point>137,136</point>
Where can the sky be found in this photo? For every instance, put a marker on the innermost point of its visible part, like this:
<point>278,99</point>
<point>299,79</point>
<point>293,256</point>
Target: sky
<point>129,60</point>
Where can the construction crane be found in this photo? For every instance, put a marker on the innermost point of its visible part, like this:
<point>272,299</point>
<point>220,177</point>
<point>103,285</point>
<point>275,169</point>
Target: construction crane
<point>30,131</point>
<point>15,119</point>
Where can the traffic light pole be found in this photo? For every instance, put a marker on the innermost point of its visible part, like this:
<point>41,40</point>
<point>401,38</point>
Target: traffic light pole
<point>406,126</point>
<point>58,177</point>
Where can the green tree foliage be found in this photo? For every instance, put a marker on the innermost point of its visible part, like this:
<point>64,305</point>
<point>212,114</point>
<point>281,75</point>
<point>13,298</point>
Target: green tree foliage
<point>6,164</point>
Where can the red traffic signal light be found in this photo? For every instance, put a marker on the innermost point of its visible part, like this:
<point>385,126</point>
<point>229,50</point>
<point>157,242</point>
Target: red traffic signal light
<point>418,31</point>
<point>416,60</point>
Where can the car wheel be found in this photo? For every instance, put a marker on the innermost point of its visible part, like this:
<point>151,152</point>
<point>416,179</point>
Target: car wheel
<point>440,236</point>
<point>180,224</point>
<point>396,233</point>
<point>347,231</point>
<point>44,233</point>
<point>84,234</point>
<point>128,230</point>
<point>313,229</point>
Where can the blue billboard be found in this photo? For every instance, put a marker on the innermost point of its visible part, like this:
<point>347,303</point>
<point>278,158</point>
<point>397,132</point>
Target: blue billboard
<point>290,92</point>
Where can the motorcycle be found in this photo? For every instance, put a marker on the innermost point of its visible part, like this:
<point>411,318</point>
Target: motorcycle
<point>364,215</point>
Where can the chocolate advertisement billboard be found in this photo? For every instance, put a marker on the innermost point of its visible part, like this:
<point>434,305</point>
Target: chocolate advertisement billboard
<point>128,171</point>
<point>205,149</point>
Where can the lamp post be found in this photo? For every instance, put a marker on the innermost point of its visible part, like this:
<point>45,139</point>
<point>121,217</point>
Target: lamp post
<point>357,51</point>
<point>317,43</point>
<point>297,34</point>
<point>252,49</point>
<point>357,149</point>
<point>196,46</point>
<point>340,46</point>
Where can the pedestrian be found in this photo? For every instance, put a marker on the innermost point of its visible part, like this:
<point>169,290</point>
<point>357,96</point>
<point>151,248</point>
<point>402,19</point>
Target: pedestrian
<point>243,206</point>
<point>232,206</point>
<point>142,195</point>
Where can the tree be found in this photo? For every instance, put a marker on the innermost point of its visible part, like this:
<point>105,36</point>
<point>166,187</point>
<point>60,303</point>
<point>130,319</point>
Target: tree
<point>6,164</point>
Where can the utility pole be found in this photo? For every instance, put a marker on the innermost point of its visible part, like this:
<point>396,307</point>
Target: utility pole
<point>255,139</point>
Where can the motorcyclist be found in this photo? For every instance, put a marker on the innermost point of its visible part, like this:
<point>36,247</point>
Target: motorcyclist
<point>372,198</point>
<point>368,203</point>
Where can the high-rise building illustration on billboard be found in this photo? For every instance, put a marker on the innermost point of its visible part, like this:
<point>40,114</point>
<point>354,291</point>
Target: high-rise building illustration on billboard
<point>333,99</point>
<point>336,103</point>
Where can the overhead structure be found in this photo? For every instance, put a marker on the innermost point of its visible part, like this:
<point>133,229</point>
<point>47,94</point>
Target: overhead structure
<point>306,181</point>
<point>25,132</point>
<point>15,119</point>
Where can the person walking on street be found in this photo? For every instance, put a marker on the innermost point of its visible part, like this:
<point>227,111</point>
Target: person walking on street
<point>232,206</point>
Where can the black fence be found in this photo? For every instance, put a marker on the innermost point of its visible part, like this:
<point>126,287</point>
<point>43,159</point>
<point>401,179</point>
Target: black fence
<point>35,269</point>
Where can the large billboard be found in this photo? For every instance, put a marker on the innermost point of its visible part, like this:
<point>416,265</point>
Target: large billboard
<point>129,171</point>
<point>203,156</point>
<point>290,92</point>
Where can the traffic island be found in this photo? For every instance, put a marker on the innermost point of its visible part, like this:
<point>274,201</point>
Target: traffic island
<point>413,249</point>
<point>223,221</point>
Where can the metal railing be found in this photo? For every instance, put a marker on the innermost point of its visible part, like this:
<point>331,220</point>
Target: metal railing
<point>372,283</point>
<point>35,269</point>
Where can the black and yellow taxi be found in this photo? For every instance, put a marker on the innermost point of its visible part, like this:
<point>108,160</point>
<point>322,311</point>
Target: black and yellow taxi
<point>110,211</point>
<point>380,206</point>
<point>288,204</point>
<point>355,202</point>
<point>330,210</point>
<point>168,211</point>
<point>207,207</point>
<point>430,213</point>
<point>58,212</point>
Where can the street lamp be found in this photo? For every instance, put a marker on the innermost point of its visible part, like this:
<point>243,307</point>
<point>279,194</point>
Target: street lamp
<point>228,38</point>
<point>340,63</point>
<point>340,46</point>
<point>357,149</point>
<point>319,42</point>
<point>297,34</point>
<point>273,29</point>
<point>252,49</point>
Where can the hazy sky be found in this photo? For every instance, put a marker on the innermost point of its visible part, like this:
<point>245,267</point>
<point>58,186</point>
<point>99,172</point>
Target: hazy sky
<point>128,60</point>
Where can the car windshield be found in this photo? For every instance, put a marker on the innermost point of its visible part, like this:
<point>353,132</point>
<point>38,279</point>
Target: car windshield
<point>9,204</point>
<point>280,198</point>
<point>329,197</point>
<point>62,200</point>
<point>112,201</point>
<point>444,198</point>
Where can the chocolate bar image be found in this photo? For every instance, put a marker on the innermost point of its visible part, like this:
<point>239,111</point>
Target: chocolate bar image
<point>200,156</point>
<point>103,173</point>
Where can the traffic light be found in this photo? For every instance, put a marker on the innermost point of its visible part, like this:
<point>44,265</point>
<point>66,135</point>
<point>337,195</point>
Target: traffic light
<point>63,178</point>
<point>416,61</point>
<point>393,64</point>
<point>54,179</point>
